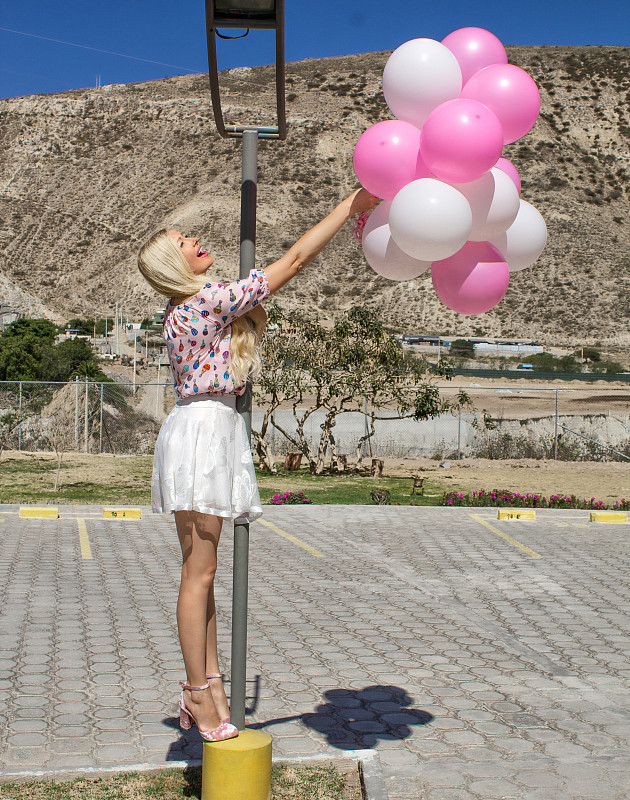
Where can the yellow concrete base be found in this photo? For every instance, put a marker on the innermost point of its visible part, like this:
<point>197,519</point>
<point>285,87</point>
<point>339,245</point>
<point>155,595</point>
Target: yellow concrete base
<point>237,769</point>
<point>608,516</point>
<point>517,513</point>
<point>47,512</point>
<point>122,513</point>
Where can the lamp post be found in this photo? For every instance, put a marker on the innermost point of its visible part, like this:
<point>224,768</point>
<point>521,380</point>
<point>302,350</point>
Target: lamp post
<point>248,14</point>
<point>265,15</point>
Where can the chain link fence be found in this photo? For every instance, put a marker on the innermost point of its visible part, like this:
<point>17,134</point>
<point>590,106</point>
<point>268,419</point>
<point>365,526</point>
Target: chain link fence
<point>80,416</point>
<point>500,422</point>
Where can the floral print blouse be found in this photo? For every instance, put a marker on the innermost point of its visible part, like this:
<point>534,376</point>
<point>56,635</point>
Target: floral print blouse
<point>198,332</point>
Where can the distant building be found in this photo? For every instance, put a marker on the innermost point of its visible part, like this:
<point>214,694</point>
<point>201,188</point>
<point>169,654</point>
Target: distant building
<point>157,319</point>
<point>434,341</point>
<point>500,347</point>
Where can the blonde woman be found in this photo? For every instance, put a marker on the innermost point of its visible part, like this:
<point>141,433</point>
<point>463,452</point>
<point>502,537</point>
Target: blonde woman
<point>203,470</point>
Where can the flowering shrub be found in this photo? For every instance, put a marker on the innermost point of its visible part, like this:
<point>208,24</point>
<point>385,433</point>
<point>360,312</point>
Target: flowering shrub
<point>494,498</point>
<point>621,505</point>
<point>380,496</point>
<point>289,498</point>
<point>503,497</point>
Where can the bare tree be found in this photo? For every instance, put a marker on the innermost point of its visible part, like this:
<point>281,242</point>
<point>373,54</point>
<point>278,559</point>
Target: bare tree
<point>353,366</point>
<point>61,437</point>
<point>9,423</point>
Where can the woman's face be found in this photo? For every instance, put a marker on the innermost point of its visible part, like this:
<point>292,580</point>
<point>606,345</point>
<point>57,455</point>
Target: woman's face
<point>198,260</point>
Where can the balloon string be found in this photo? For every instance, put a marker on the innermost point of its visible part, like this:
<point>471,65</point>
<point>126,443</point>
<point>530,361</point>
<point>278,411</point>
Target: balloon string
<point>359,225</point>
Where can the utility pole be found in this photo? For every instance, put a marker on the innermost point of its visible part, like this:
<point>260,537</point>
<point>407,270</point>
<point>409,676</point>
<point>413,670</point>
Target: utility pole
<point>135,343</point>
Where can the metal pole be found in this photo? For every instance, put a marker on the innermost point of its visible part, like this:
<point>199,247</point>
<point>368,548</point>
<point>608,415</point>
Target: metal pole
<point>135,343</point>
<point>116,329</point>
<point>555,436</point>
<point>249,184</point>
<point>100,438</point>
<point>87,431</point>
<point>459,432</point>
<point>20,420</point>
<point>157,392</point>
<point>76,413</point>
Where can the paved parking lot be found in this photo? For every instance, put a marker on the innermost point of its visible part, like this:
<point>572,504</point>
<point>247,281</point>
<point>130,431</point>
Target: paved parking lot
<point>482,659</point>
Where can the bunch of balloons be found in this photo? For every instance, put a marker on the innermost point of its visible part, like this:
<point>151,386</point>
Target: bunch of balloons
<point>451,202</point>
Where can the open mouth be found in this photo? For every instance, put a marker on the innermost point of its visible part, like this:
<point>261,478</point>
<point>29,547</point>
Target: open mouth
<point>201,253</point>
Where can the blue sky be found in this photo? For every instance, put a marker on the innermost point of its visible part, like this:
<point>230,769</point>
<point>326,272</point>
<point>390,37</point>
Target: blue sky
<point>174,34</point>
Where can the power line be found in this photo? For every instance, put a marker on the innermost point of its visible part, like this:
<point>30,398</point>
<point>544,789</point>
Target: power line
<point>98,50</point>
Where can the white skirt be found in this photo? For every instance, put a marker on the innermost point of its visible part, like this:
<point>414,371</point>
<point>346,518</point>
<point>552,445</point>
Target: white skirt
<point>203,461</point>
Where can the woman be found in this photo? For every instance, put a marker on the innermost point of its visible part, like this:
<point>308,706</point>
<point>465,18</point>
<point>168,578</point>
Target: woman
<point>203,470</point>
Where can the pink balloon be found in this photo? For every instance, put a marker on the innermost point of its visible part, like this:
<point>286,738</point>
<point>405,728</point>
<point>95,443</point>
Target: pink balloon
<point>510,93</point>
<point>473,280</point>
<point>387,157</point>
<point>505,165</point>
<point>461,140</point>
<point>474,49</point>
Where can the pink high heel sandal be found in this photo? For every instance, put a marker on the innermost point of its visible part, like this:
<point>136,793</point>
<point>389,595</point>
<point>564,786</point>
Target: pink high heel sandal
<point>210,675</point>
<point>186,719</point>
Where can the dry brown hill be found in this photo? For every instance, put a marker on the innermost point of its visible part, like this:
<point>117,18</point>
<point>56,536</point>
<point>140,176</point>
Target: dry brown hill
<point>86,175</point>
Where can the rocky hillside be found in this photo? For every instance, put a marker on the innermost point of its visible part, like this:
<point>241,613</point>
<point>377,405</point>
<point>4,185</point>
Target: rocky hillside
<point>86,175</point>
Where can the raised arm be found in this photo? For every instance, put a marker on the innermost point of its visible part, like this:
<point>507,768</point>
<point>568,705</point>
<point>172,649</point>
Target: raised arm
<point>314,241</point>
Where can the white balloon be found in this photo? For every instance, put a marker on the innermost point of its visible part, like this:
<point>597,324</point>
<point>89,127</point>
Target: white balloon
<point>494,203</point>
<point>524,240</point>
<point>419,76</point>
<point>430,220</point>
<point>383,254</point>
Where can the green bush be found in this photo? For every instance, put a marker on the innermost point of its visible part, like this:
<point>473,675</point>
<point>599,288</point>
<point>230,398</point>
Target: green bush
<point>546,362</point>
<point>588,354</point>
<point>28,353</point>
<point>610,367</point>
<point>86,326</point>
<point>462,348</point>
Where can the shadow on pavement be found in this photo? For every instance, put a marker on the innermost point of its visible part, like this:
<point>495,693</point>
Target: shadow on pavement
<point>360,717</point>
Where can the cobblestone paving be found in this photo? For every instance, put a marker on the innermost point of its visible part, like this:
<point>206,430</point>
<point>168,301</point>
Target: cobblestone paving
<point>476,669</point>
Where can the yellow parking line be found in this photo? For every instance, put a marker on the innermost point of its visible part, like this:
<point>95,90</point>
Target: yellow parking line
<point>507,538</point>
<point>291,538</point>
<point>86,550</point>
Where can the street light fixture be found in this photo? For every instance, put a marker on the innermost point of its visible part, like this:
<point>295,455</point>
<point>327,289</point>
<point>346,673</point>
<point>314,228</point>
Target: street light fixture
<point>256,14</point>
<point>249,14</point>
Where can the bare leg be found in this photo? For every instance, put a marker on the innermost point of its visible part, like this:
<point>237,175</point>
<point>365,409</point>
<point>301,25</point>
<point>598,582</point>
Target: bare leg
<point>212,659</point>
<point>199,539</point>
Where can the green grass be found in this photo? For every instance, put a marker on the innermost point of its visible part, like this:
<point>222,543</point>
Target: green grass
<point>287,783</point>
<point>120,481</point>
<point>127,481</point>
<point>342,489</point>
<point>80,493</point>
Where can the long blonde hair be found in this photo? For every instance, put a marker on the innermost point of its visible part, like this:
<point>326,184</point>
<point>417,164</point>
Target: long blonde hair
<point>166,270</point>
